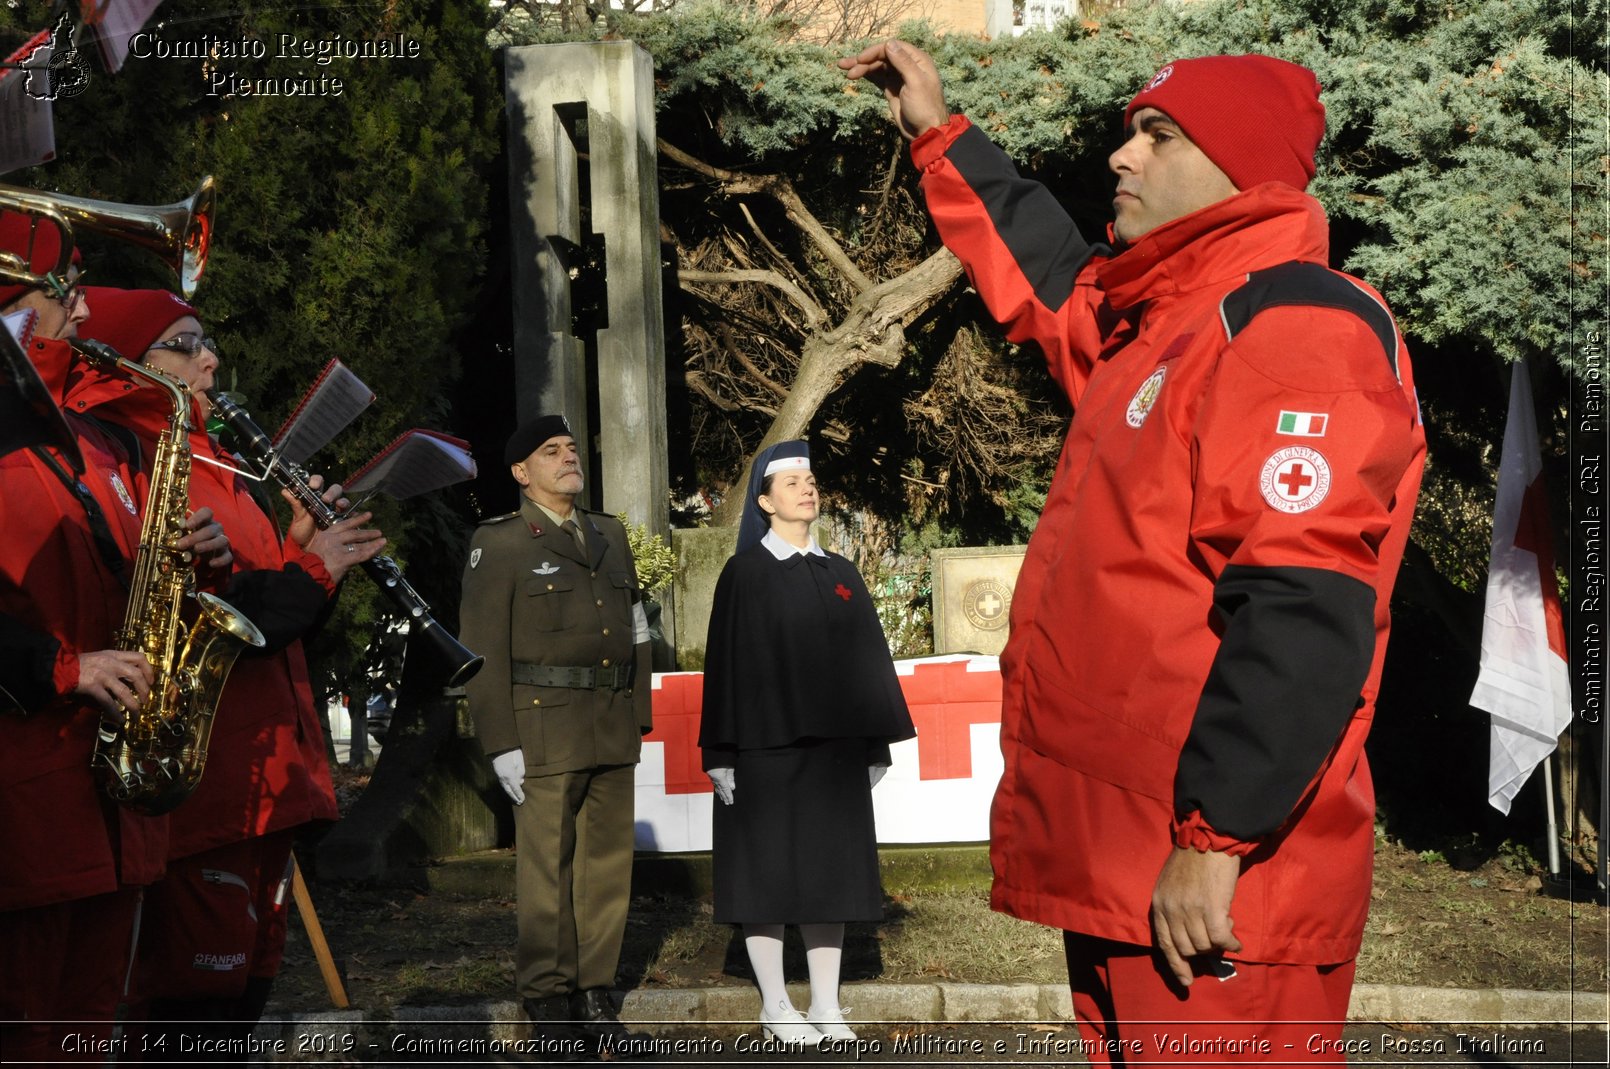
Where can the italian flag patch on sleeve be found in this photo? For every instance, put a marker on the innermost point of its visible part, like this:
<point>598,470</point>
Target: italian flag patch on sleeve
<point>1302,424</point>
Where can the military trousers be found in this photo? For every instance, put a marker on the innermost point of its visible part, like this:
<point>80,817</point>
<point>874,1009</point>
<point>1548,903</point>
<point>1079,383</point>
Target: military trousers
<point>573,861</point>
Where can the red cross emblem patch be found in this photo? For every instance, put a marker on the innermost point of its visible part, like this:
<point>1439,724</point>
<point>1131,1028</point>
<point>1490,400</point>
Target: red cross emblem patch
<point>1295,479</point>
<point>842,591</point>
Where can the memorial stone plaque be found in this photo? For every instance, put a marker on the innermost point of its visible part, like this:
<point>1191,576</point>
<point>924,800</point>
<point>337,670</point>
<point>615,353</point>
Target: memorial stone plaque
<point>973,597</point>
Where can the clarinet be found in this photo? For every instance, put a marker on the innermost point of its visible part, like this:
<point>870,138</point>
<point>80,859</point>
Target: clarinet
<point>447,649</point>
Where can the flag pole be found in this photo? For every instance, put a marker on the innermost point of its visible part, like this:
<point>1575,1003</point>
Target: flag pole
<point>1553,825</point>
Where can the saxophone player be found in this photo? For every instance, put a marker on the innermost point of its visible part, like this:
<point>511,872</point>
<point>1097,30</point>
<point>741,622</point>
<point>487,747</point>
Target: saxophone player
<point>214,928</point>
<point>75,862</point>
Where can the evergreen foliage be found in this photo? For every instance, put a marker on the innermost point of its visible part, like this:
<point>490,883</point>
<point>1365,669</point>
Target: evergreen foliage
<point>1464,173</point>
<point>349,225</point>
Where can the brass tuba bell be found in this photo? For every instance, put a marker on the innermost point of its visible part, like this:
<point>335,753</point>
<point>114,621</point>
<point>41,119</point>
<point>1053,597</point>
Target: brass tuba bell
<point>180,232</point>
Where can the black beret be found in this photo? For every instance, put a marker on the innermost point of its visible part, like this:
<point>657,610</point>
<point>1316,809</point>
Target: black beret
<point>530,436</point>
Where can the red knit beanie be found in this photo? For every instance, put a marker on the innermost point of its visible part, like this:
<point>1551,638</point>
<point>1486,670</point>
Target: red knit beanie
<point>17,232</point>
<point>1258,118</point>
<point>131,321</point>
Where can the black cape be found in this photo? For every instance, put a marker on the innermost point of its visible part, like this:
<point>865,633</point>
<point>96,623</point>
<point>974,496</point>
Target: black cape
<point>795,652</point>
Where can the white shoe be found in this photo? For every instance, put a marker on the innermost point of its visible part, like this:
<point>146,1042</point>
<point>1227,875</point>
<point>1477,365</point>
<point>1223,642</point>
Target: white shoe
<point>831,1025</point>
<point>788,1026</point>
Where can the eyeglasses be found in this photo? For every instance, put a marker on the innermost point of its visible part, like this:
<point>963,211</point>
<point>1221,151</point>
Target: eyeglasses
<point>66,292</point>
<point>187,343</point>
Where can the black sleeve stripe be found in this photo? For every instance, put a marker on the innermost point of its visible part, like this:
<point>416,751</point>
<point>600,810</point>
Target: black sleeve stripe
<point>1295,651</point>
<point>1041,237</point>
<point>1298,283</point>
<point>27,672</point>
<point>285,604</point>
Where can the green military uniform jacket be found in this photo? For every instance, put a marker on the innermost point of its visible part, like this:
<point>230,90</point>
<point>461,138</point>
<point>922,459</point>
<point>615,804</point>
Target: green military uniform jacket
<point>531,595</point>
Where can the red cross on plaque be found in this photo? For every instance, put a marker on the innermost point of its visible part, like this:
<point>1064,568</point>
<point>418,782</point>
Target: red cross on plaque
<point>1294,480</point>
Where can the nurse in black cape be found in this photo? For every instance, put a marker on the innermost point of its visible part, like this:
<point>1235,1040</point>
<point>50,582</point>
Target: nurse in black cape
<point>801,703</point>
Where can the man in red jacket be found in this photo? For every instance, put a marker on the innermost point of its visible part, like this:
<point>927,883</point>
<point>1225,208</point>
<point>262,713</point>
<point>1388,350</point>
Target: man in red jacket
<point>1201,618</point>
<point>75,863</point>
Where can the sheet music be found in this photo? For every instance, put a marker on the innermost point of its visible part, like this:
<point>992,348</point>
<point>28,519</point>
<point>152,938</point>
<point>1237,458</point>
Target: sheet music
<point>27,121</point>
<point>333,401</point>
<point>418,462</point>
<point>115,21</point>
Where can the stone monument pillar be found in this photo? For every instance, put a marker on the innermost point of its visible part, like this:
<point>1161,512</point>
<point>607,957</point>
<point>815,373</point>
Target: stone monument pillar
<point>585,213</point>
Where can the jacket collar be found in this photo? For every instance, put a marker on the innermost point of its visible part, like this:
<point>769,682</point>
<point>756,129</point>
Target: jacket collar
<point>55,361</point>
<point>541,525</point>
<point>1260,227</point>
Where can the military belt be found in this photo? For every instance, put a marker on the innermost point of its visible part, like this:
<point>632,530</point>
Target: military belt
<point>615,677</point>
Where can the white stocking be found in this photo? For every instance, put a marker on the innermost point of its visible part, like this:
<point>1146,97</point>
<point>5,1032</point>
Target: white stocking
<point>824,947</point>
<point>765,945</point>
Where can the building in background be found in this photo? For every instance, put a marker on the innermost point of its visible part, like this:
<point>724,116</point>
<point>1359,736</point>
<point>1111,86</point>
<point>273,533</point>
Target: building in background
<point>840,20</point>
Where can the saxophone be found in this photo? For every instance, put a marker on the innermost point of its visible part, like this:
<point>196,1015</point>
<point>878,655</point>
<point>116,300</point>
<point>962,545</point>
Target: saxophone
<point>150,759</point>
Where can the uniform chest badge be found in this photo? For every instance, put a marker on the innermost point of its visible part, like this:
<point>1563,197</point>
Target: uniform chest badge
<point>546,569</point>
<point>1145,398</point>
<point>1295,479</point>
<point>475,556</point>
<point>123,494</point>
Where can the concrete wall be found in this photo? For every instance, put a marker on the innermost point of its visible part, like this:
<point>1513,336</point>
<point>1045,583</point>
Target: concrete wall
<point>701,553</point>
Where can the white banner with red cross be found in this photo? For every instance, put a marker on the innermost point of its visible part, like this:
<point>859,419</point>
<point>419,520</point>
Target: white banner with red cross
<point>937,790</point>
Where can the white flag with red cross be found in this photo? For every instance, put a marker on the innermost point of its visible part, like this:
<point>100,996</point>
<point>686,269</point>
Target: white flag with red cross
<point>1524,682</point>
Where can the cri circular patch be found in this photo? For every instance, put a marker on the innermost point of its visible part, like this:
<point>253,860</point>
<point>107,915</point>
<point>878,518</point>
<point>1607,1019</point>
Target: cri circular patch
<point>1144,398</point>
<point>1159,78</point>
<point>1295,479</point>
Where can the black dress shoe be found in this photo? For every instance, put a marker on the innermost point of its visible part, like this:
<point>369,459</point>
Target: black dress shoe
<point>595,1010</point>
<point>556,1028</point>
<point>593,1004</point>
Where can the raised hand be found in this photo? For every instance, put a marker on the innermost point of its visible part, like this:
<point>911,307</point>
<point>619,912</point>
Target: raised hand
<point>910,83</point>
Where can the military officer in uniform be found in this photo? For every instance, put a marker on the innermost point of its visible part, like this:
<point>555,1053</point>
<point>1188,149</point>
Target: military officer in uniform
<point>552,600</point>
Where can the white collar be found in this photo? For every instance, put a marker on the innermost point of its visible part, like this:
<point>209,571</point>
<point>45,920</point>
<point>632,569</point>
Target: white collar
<point>782,550</point>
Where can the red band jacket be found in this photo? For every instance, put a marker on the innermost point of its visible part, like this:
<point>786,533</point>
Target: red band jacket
<point>61,838</point>
<point>266,764</point>
<point>1201,617</point>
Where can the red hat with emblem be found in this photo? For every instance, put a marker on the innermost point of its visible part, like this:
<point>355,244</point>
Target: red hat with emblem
<point>1258,118</point>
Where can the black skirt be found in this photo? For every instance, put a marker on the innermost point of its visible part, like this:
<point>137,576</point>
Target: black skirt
<point>798,845</point>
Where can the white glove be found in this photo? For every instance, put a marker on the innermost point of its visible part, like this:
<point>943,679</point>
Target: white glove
<point>875,773</point>
<point>722,780</point>
<point>510,768</point>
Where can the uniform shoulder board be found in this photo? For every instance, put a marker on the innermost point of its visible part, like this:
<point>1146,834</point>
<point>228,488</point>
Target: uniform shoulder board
<point>1297,283</point>
<point>499,519</point>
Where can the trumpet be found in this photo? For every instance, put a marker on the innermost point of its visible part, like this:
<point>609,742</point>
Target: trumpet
<point>259,451</point>
<point>181,232</point>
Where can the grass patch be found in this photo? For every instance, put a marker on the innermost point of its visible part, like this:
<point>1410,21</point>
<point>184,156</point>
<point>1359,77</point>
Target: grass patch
<point>1430,923</point>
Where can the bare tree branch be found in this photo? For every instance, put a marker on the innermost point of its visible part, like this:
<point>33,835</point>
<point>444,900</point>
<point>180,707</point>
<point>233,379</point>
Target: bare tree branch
<point>813,311</point>
<point>780,189</point>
